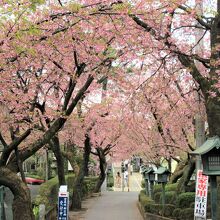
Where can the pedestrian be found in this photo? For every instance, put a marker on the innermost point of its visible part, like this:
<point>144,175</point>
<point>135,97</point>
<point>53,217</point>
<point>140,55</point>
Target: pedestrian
<point>118,180</point>
<point>126,178</point>
<point>131,169</point>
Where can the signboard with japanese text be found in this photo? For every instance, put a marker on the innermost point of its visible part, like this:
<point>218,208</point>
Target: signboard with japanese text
<point>63,205</point>
<point>201,195</point>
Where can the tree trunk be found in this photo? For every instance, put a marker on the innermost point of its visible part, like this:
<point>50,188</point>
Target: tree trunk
<point>55,146</point>
<point>187,173</point>
<point>213,116</point>
<point>21,207</point>
<point>178,173</point>
<point>71,157</point>
<point>77,188</point>
<point>102,166</point>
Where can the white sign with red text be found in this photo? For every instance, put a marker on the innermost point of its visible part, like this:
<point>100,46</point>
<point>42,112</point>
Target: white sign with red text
<point>201,195</point>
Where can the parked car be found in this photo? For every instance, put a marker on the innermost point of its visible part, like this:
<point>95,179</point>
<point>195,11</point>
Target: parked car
<point>33,181</point>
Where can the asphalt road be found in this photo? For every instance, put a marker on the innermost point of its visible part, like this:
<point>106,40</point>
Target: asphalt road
<point>115,206</point>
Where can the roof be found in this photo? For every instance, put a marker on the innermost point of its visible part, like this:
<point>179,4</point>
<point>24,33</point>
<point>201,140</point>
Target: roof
<point>162,170</point>
<point>211,173</point>
<point>150,170</point>
<point>144,170</point>
<point>209,144</point>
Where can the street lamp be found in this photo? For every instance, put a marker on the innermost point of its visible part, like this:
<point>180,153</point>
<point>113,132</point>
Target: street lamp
<point>162,176</point>
<point>145,177</point>
<point>150,176</point>
<point>210,155</point>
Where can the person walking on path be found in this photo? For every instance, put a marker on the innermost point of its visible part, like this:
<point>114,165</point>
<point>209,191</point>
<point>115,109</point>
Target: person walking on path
<point>131,169</point>
<point>118,180</point>
<point>126,180</point>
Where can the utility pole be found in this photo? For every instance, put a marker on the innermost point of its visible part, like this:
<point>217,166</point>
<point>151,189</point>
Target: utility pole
<point>199,121</point>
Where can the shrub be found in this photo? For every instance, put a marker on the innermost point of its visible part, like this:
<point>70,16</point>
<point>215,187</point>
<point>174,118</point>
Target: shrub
<point>171,187</point>
<point>168,210</point>
<point>110,180</point>
<point>192,205</point>
<point>91,183</point>
<point>186,214</point>
<point>145,201</point>
<point>185,199</point>
<point>157,197</point>
<point>183,214</point>
<point>88,185</point>
<point>170,197</point>
<point>48,193</point>
<point>157,188</point>
<point>168,187</point>
<point>176,213</point>
<point>156,209</point>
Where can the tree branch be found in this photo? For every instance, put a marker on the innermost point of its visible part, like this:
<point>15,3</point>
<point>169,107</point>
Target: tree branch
<point>7,151</point>
<point>3,141</point>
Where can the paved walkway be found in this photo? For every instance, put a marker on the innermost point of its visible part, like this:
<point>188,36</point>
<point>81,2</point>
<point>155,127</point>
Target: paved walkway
<point>113,205</point>
<point>110,206</point>
<point>134,182</point>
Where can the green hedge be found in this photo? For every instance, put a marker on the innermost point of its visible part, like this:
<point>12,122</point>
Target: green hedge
<point>110,179</point>
<point>170,197</point>
<point>48,193</point>
<point>146,202</point>
<point>178,206</point>
<point>49,190</point>
<point>157,188</point>
<point>168,210</point>
<point>144,199</point>
<point>183,214</point>
<point>89,184</point>
<point>185,199</point>
<point>155,208</point>
<point>176,213</point>
<point>157,196</point>
<point>169,187</point>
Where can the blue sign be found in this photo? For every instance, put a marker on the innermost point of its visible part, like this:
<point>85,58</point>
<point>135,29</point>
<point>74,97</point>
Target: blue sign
<point>63,207</point>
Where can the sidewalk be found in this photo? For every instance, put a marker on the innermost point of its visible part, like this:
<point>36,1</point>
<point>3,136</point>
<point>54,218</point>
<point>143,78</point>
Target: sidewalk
<point>86,205</point>
<point>109,206</point>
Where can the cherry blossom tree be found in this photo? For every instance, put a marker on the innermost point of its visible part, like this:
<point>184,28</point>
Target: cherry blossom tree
<point>48,61</point>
